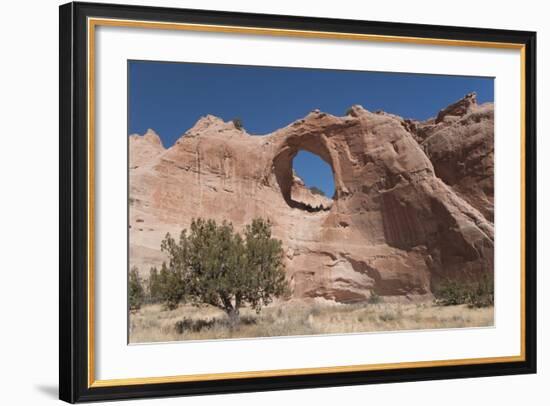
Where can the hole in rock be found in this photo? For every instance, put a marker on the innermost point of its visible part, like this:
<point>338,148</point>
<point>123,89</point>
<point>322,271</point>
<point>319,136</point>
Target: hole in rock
<point>312,182</point>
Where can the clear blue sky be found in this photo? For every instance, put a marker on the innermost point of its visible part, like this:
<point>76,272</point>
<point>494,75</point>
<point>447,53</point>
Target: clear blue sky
<point>171,97</point>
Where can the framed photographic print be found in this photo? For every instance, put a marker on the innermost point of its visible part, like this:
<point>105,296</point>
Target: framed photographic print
<point>257,202</point>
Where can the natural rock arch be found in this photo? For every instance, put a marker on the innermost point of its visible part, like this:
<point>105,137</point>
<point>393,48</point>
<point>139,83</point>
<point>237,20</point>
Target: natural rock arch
<point>282,166</point>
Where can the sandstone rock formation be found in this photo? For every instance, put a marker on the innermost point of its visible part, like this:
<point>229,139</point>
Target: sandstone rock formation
<point>143,149</point>
<point>460,145</point>
<point>413,200</point>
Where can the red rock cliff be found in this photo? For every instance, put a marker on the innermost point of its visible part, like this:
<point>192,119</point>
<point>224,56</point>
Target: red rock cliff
<point>413,200</point>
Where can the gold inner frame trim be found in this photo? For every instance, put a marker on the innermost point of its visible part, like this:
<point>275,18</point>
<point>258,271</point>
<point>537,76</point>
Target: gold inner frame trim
<point>94,22</point>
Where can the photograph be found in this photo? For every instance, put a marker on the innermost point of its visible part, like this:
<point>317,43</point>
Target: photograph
<point>258,201</point>
<point>268,201</point>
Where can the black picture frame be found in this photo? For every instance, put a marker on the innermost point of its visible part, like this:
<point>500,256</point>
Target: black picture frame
<point>74,385</point>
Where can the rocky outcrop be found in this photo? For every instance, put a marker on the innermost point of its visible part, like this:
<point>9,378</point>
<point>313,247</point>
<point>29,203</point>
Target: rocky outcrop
<point>460,145</point>
<point>300,193</point>
<point>396,223</point>
<point>144,149</point>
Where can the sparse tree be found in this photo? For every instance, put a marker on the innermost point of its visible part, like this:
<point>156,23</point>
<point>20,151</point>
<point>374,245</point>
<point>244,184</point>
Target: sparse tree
<point>172,285</point>
<point>136,294</point>
<point>216,266</point>
<point>264,276</point>
<point>154,286</point>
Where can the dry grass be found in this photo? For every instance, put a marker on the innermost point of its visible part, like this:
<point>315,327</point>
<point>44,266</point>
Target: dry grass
<point>153,323</point>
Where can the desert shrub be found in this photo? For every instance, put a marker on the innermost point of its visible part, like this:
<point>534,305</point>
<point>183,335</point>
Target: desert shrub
<point>136,294</point>
<point>238,123</point>
<point>213,264</point>
<point>374,298</point>
<point>196,326</point>
<point>449,293</point>
<point>387,316</point>
<point>316,310</point>
<point>248,320</point>
<point>474,293</point>
<point>316,191</point>
<point>483,294</point>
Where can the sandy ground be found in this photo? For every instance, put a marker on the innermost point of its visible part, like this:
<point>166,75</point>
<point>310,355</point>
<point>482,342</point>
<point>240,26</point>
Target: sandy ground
<point>153,323</point>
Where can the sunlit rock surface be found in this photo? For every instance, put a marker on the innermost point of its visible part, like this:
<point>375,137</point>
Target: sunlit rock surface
<point>413,200</point>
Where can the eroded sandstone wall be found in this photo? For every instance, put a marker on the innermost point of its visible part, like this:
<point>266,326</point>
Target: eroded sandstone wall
<point>413,200</point>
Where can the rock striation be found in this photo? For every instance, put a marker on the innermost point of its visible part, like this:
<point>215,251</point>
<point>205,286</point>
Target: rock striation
<point>413,200</point>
